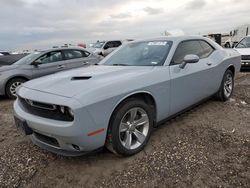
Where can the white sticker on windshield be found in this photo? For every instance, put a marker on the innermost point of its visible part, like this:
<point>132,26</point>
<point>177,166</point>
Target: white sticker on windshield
<point>157,43</point>
<point>154,63</point>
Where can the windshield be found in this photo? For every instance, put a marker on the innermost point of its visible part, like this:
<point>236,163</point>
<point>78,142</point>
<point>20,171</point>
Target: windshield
<point>98,45</point>
<point>150,53</point>
<point>244,43</point>
<point>28,59</point>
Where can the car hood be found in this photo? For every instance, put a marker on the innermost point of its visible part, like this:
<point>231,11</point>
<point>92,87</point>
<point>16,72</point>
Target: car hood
<point>243,51</point>
<point>85,80</point>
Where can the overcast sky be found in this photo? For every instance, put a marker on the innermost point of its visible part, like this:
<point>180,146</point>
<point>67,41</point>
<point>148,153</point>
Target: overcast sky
<point>30,24</point>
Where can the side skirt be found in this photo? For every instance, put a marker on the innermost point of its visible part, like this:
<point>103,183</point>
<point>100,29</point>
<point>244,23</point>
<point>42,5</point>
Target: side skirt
<point>183,111</point>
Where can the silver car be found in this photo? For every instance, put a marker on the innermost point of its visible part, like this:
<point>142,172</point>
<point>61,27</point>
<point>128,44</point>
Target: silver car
<point>118,102</point>
<point>104,48</point>
<point>39,64</point>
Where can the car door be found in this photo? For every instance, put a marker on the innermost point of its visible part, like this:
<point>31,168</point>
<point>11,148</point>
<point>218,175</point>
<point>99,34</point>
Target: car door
<point>192,83</point>
<point>76,58</point>
<point>48,63</point>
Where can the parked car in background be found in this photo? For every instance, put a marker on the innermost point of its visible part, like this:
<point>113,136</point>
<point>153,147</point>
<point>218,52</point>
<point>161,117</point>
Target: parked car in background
<point>104,48</point>
<point>10,59</point>
<point>118,102</point>
<point>237,34</point>
<point>4,53</point>
<point>220,38</point>
<point>39,64</point>
<point>243,47</point>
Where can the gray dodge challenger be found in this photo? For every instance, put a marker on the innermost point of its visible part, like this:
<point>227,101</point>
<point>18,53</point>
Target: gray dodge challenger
<point>118,102</point>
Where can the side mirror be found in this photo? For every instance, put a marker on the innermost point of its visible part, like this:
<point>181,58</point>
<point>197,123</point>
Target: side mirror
<point>36,63</point>
<point>189,59</point>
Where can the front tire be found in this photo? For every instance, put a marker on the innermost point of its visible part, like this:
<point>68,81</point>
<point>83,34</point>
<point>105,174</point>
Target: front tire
<point>227,86</point>
<point>12,86</point>
<point>130,127</point>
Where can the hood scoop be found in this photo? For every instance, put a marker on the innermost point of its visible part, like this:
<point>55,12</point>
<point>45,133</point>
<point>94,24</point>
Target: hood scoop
<point>81,77</point>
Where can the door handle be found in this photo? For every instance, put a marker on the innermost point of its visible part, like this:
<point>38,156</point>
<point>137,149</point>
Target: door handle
<point>209,64</point>
<point>61,66</point>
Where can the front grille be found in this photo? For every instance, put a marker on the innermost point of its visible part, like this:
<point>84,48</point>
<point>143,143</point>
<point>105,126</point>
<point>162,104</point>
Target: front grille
<point>245,57</point>
<point>45,110</point>
<point>46,139</point>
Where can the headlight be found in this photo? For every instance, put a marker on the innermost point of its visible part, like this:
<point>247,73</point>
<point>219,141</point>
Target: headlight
<point>66,111</point>
<point>71,113</point>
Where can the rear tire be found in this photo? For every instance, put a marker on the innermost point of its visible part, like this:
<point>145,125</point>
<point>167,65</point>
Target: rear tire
<point>12,85</point>
<point>130,127</point>
<point>227,86</point>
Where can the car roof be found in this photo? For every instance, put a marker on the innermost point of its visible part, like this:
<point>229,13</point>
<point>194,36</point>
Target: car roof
<point>65,48</point>
<point>174,38</point>
<point>177,39</point>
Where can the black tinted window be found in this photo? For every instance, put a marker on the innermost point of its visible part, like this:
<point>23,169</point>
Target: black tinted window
<point>113,44</point>
<point>109,45</point>
<point>73,54</point>
<point>85,54</point>
<point>187,48</point>
<point>117,44</point>
<point>197,47</point>
<point>207,49</point>
<point>51,57</point>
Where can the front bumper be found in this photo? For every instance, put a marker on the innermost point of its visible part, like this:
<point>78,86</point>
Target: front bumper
<point>60,137</point>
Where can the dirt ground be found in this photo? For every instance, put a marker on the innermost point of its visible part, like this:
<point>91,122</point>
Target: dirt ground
<point>208,146</point>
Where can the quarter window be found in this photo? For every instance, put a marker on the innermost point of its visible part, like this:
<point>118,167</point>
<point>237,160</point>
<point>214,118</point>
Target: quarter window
<point>74,54</point>
<point>207,49</point>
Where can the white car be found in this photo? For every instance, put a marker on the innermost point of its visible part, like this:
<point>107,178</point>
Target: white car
<point>104,48</point>
<point>243,47</point>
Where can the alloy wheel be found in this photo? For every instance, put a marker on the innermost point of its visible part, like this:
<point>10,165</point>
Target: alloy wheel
<point>13,87</point>
<point>228,85</point>
<point>134,128</point>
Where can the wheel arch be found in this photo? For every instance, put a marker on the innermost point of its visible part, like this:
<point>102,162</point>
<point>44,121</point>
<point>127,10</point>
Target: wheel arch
<point>231,68</point>
<point>144,95</point>
<point>15,77</point>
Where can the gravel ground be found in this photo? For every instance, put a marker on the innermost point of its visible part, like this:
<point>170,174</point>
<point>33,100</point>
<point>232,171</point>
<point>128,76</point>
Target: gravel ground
<point>208,146</point>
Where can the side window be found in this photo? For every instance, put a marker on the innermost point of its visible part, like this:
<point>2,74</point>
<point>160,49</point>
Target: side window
<point>73,54</point>
<point>108,45</point>
<point>117,44</point>
<point>50,57</point>
<point>186,48</point>
<point>85,54</point>
<point>207,49</point>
